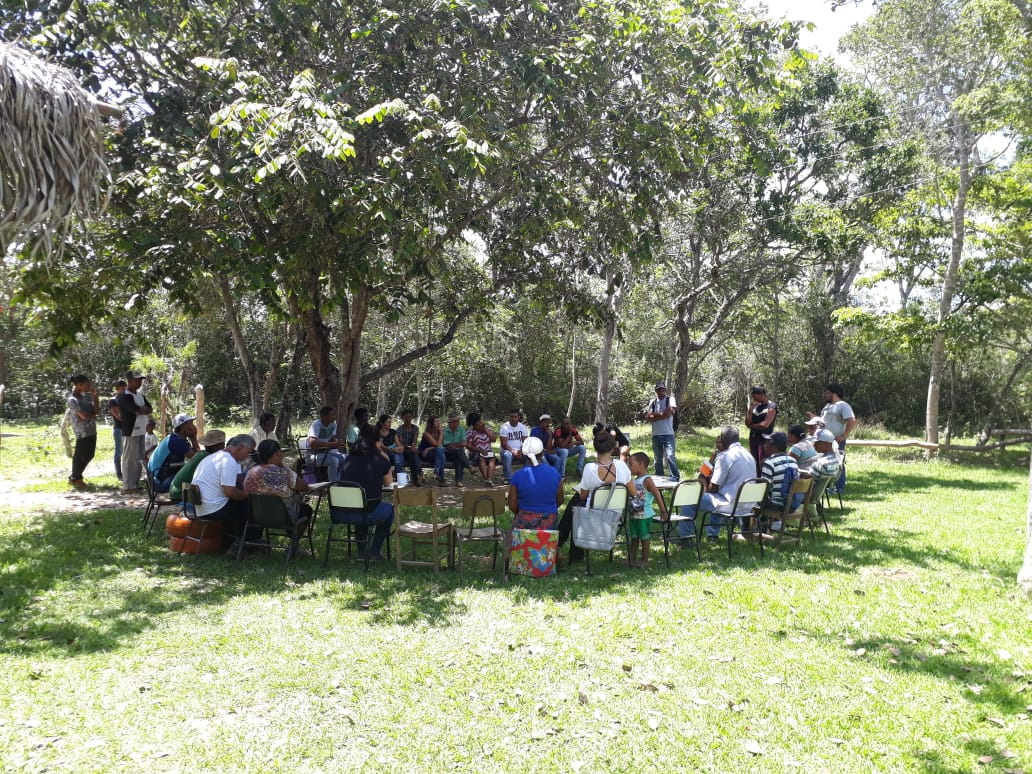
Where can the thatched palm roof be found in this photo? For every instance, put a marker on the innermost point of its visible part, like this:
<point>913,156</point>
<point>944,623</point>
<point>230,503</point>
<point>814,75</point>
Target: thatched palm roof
<point>51,163</point>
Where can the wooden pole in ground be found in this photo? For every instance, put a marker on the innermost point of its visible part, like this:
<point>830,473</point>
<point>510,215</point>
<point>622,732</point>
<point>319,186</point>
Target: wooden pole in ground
<point>199,411</point>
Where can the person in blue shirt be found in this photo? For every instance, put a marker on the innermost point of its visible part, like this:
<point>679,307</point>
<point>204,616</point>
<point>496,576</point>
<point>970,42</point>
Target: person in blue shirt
<point>174,449</point>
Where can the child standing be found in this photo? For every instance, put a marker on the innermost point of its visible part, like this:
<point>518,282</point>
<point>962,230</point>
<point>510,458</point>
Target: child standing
<point>643,508</point>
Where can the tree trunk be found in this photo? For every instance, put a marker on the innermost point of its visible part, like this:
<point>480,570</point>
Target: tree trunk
<point>949,282</point>
<point>254,388</point>
<point>286,404</point>
<point>1025,573</point>
<point>994,412</point>
<point>573,371</point>
<point>608,335</point>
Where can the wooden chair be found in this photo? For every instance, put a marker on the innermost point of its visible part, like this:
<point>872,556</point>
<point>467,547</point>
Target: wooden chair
<point>155,501</point>
<point>748,497</point>
<point>686,493</point>
<point>789,516</point>
<point>475,503</point>
<point>270,513</point>
<point>440,536</point>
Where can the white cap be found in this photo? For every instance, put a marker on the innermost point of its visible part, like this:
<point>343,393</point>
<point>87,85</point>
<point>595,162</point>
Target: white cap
<point>532,447</point>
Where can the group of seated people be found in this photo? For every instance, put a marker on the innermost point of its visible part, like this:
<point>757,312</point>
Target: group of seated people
<point>226,473</point>
<point>463,447</point>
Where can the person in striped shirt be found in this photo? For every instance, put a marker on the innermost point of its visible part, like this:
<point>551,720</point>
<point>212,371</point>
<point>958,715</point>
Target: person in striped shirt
<point>779,468</point>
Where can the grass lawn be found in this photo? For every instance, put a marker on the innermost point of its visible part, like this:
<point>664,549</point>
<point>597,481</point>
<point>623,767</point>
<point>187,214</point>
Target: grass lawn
<point>899,643</point>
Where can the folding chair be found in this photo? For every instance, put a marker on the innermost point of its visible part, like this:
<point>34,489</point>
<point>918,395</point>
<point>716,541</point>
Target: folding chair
<point>492,503</point>
<point>349,509</point>
<point>310,463</point>
<point>154,501</point>
<point>686,493</point>
<point>838,492</point>
<point>748,499</point>
<point>788,515</point>
<point>269,512</point>
<point>814,504</point>
<point>613,497</point>
<point>431,532</point>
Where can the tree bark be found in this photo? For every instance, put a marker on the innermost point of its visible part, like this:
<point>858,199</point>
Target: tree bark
<point>573,371</point>
<point>1025,573</point>
<point>243,353</point>
<point>994,412</point>
<point>608,335</point>
<point>949,282</point>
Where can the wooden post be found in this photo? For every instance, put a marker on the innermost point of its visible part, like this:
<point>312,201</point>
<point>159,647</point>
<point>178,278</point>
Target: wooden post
<point>163,411</point>
<point>198,392</point>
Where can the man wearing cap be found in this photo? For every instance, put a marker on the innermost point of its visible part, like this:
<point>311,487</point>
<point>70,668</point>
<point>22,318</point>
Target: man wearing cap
<point>116,428</point>
<point>174,449</point>
<point>779,468</point>
<point>211,442</point>
<point>454,441</point>
<point>135,410</point>
<point>839,418</point>
<point>83,413</point>
<point>554,456</point>
<point>661,414</point>
<point>827,464</point>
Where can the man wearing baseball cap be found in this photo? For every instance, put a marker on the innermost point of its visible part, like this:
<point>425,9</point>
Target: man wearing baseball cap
<point>135,410</point>
<point>660,414</point>
<point>779,468</point>
<point>174,449</point>
<point>827,464</point>
<point>211,442</point>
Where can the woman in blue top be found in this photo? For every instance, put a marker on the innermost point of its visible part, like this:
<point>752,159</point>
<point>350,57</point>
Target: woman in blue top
<point>535,491</point>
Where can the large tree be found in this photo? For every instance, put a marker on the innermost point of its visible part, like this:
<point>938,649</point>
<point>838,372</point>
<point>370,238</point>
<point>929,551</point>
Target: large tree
<point>954,68</point>
<point>328,155</point>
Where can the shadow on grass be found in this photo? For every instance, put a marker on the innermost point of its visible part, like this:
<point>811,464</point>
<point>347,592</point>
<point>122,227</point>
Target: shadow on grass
<point>977,680</point>
<point>134,580</point>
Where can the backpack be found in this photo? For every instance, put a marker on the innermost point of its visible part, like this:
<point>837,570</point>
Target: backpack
<point>675,419</point>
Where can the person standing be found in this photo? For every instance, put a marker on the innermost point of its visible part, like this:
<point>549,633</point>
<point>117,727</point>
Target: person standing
<point>84,424</point>
<point>661,414</point>
<point>136,411</point>
<point>838,417</point>
<point>116,428</point>
<point>759,419</point>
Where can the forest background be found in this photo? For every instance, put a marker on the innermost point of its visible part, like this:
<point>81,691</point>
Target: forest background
<point>542,206</point>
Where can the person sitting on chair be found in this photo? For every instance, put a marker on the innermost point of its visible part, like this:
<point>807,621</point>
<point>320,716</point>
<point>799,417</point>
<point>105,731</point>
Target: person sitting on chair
<point>732,467</point>
<point>371,471</point>
<point>479,438</point>
<point>174,449</point>
<point>212,441</point>
<point>535,491</point>
<point>554,456</point>
<point>454,440</point>
<point>568,437</point>
<point>265,430</point>
<point>512,435</point>
<point>431,447</point>
<point>323,442</point>
<point>270,477</point>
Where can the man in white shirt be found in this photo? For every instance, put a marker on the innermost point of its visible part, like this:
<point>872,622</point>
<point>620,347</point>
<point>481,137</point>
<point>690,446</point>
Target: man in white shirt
<point>664,443</point>
<point>217,478</point>
<point>265,430</point>
<point>838,417</point>
<point>511,436</point>
<point>733,466</point>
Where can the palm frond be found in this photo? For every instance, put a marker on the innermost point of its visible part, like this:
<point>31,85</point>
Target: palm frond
<point>52,167</point>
